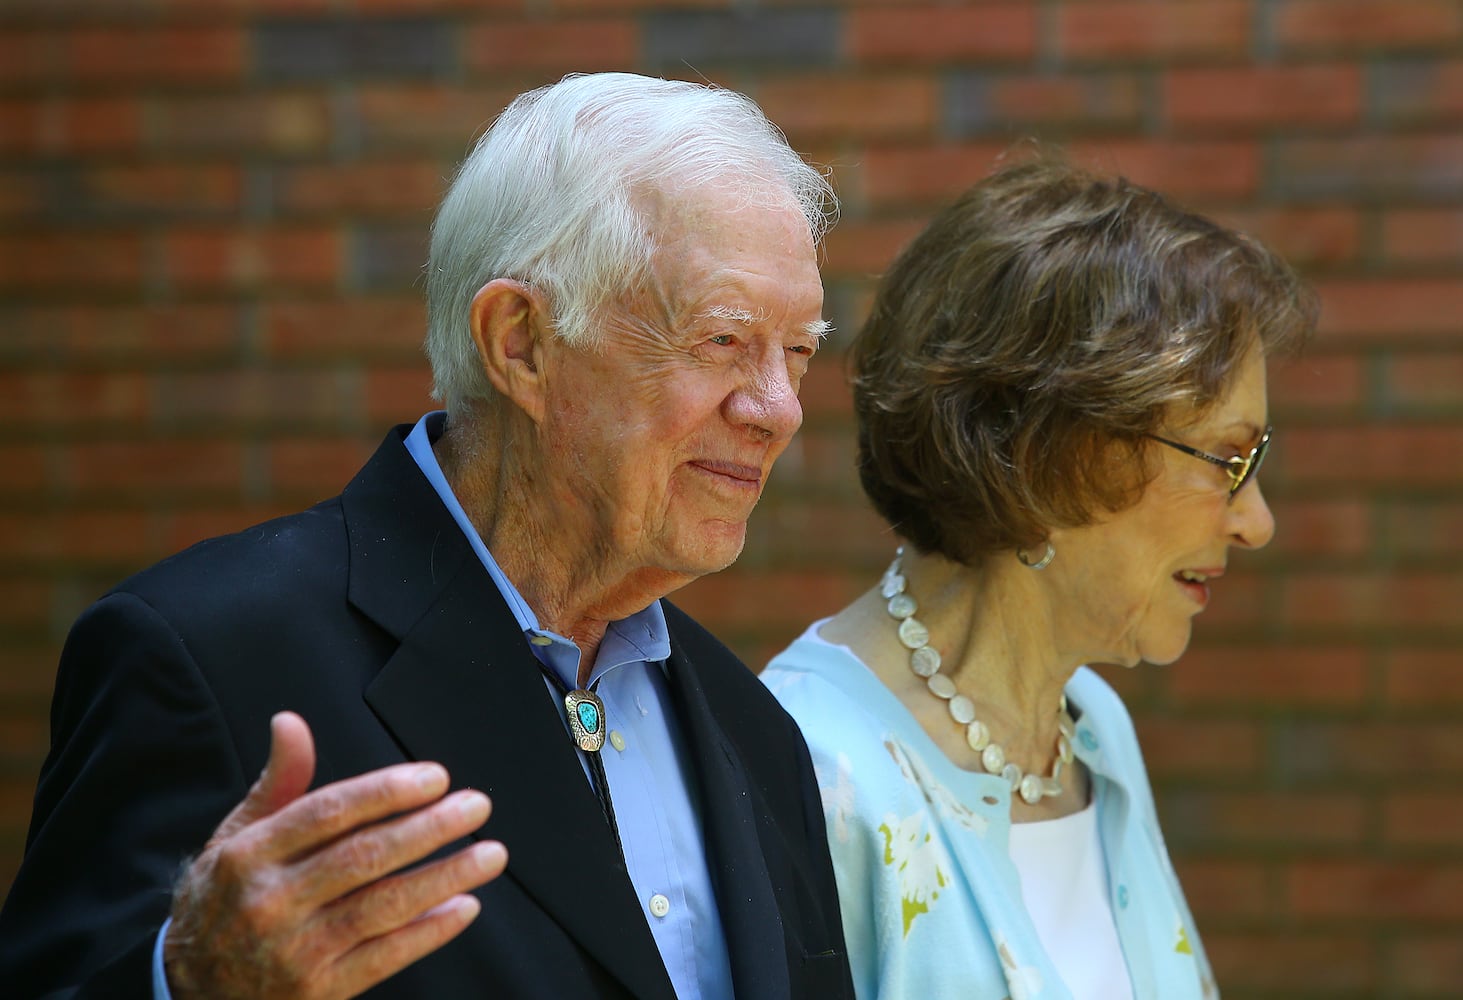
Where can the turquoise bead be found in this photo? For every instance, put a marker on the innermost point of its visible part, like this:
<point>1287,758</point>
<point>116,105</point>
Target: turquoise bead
<point>588,717</point>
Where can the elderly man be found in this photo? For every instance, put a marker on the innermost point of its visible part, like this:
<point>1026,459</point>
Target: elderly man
<point>623,296</point>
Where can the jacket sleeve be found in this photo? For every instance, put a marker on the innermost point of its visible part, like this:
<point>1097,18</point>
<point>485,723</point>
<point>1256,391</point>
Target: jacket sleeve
<point>141,769</point>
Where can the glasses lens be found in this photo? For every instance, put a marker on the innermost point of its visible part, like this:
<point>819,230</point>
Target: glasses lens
<point>1249,467</point>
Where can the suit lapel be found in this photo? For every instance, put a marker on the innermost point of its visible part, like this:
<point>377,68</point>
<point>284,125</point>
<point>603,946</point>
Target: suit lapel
<point>750,916</point>
<point>464,690</point>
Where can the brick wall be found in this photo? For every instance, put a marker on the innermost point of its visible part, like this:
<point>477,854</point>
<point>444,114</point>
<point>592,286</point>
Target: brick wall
<point>213,218</point>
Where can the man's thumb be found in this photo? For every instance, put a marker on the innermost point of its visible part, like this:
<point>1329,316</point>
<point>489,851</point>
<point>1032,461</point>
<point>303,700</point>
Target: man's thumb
<point>286,776</point>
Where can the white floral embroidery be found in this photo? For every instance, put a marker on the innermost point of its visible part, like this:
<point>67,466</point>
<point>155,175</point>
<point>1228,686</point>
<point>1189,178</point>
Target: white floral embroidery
<point>837,796</point>
<point>919,859</point>
<point>937,795</point>
<point>1024,980</point>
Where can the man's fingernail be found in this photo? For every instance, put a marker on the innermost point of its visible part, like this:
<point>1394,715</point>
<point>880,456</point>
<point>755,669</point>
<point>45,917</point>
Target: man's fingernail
<point>431,778</point>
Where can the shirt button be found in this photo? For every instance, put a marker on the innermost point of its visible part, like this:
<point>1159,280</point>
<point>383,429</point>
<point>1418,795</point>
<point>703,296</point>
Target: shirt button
<point>541,640</point>
<point>659,905</point>
<point>1122,897</point>
<point>617,741</point>
<point>1088,740</point>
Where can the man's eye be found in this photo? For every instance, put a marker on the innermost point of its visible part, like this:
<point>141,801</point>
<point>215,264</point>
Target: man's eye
<point>722,339</point>
<point>801,349</point>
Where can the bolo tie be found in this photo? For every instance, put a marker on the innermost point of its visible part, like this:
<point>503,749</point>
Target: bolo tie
<point>587,725</point>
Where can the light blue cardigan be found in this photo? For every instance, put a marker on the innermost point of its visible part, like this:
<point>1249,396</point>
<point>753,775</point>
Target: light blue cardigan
<point>931,901</point>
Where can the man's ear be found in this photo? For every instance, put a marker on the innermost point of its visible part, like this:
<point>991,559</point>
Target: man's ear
<point>508,321</point>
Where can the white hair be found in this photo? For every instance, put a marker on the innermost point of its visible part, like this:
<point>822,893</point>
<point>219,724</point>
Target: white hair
<point>547,197</point>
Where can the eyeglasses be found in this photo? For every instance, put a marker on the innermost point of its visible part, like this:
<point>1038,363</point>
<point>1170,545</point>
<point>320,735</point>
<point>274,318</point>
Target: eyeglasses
<point>1241,468</point>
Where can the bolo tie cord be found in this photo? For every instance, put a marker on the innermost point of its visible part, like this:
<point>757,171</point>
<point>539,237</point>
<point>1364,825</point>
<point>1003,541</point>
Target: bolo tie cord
<point>596,764</point>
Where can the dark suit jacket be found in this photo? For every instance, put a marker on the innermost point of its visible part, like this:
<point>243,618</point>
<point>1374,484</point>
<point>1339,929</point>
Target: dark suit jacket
<point>371,617</point>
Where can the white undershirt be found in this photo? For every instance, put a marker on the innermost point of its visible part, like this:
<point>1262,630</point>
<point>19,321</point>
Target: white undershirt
<point>1064,884</point>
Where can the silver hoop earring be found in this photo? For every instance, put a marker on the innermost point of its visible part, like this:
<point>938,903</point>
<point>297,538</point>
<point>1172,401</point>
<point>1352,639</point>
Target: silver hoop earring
<point>1046,560</point>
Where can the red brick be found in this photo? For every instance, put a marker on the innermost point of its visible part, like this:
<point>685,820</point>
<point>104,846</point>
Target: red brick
<point>850,107</point>
<point>1424,753</point>
<point>1303,236</point>
<point>1372,455</point>
<point>1219,888</point>
<point>1367,24</point>
<point>23,196</point>
<point>1419,236</point>
<point>1182,748</point>
<point>103,537</point>
<point>422,6</point>
<point>40,400</point>
<point>1423,530</point>
<point>356,328</point>
<point>1296,819</point>
<point>242,397</point>
<point>824,393</point>
<point>866,248</point>
<point>1425,964</point>
<point>27,673</point>
<point>52,262</point>
<point>179,529</point>
<point>1310,964</point>
<point>827,534</point>
<point>24,470</point>
<point>787,601</point>
<point>986,31</point>
<point>159,189</point>
<point>25,601</point>
<point>1424,678</point>
<point>27,56</point>
<point>419,118</point>
<point>1329,383</point>
<point>1398,600</point>
<point>154,468</point>
<point>1200,169</point>
<point>215,259</point>
<point>1241,600</point>
<point>1258,97</point>
<point>1375,892</point>
<point>1423,382</point>
<point>1331,528</point>
<point>1423,819</point>
<point>1088,101</point>
<point>1391,309</point>
<point>172,54</point>
<point>404,187</point>
<point>1288,676</point>
<point>70,126</point>
<point>1144,30</point>
<point>919,175</point>
<point>555,45</point>
<point>277,123</point>
<point>122,334</point>
<point>316,468</point>
<point>398,394</point>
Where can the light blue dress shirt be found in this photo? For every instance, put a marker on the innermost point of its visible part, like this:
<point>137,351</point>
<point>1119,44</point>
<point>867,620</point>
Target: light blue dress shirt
<point>651,784</point>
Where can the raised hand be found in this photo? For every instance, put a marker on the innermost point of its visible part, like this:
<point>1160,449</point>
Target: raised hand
<point>304,894</point>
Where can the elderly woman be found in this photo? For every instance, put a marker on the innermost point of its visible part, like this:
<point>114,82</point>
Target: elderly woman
<point>1062,412</point>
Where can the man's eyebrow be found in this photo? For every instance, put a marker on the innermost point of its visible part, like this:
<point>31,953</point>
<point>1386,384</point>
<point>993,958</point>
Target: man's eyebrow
<point>818,329</point>
<point>734,313</point>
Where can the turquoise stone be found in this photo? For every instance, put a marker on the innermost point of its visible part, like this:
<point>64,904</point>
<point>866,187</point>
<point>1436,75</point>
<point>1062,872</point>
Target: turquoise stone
<point>588,716</point>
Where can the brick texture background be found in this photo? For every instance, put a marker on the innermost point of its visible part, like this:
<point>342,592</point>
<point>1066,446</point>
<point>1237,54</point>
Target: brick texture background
<point>213,217</point>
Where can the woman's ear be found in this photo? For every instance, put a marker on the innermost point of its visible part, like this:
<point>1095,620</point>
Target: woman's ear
<point>507,321</point>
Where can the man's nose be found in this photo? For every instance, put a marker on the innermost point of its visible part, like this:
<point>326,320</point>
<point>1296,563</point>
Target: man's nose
<point>766,401</point>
